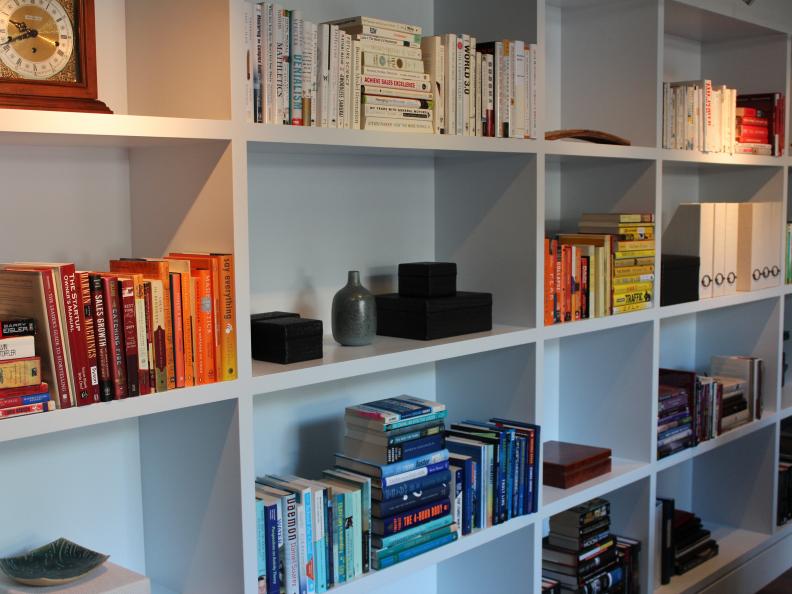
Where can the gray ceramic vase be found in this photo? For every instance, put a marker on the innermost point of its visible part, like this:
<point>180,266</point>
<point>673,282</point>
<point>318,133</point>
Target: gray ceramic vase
<point>354,316</point>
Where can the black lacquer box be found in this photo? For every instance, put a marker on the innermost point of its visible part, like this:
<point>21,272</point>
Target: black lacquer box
<point>679,279</point>
<point>285,338</point>
<point>427,279</point>
<point>438,317</point>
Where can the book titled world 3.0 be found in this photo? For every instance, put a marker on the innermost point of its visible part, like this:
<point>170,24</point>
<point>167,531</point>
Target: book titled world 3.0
<point>390,410</point>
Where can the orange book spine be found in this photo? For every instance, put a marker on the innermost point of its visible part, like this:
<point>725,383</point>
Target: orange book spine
<point>227,369</point>
<point>205,335</point>
<point>178,327</point>
<point>188,325</point>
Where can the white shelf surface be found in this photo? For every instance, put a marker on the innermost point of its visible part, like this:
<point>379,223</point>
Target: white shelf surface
<point>578,148</point>
<point>683,156</point>
<point>377,579</point>
<point>344,140</point>
<point>383,354</point>
<point>683,309</point>
<point>598,324</point>
<point>30,127</point>
<point>623,472</point>
<point>106,412</point>
<point>713,444</point>
<point>733,543</point>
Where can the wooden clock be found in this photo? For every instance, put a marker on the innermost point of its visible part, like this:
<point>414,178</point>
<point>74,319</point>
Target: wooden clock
<point>48,55</point>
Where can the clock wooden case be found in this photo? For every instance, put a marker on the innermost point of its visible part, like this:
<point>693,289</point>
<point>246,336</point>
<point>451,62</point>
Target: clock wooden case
<point>48,55</point>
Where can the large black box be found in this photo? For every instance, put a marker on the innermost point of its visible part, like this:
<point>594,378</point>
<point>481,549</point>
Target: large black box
<point>286,339</point>
<point>427,279</point>
<point>438,317</point>
<point>679,277</point>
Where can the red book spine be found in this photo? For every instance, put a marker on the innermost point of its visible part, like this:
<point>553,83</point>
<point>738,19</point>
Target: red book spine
<point>584,287</point>
<point>549,270</point>
<point>755,139</point>
<point>27,409</point>
<point>115,337</point>
<point>779,123</point>
<point>557,310</point>
<point>753,121</point>
<point>568,312</point>
<point>578,285</point>
<point>746,130</point>
<point>746,112</point>
<point>61,375</point>
<point>100,331</point>
<point>12,397</point>
<point>178,328</point>
<point>75,324</point>
<point>84,284</point>
<point>127,291</point>
<point>149,301</point>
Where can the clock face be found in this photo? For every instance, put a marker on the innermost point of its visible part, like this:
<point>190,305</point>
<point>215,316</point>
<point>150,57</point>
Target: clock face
<point>37,39</point>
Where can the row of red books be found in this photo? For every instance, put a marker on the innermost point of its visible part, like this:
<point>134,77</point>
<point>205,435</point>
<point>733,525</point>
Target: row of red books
<point>146,326</point>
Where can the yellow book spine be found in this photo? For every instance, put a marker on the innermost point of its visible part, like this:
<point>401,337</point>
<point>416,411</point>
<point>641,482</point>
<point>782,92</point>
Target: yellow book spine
<point>638,287</point>
<point>619,255</point>
<point>20,372</point>
<point>634,262</point>
<point>622,281</point>
<point>630,298</point>
<point>620,309</point>
<point>628,271</point>
<point>637,245</point>
<point>228,335</point>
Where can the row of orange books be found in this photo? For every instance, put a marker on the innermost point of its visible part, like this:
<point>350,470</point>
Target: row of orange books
<point>145,326</point>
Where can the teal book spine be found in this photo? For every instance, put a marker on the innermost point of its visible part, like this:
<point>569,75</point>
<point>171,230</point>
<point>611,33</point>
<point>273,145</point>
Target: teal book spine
<point>417,550</point>
<point>349,535</point>
<point>261,541</point>
<point>340,561</point>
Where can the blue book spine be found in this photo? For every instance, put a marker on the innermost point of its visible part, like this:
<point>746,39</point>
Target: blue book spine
<point>35,398</point>
<point>537,443</point>
<point>320,559</point>
<point>341,532</point>
<point>261,541</point>
<point>416,420</point>
<point>331,539</point>
<point>419,447</point>
<point>395,539</point>
<point>430,480</point>
<point>273,554</point>
<point>519,473</point>
<point>310,563</point>
<point>468,505</point>
<point>509,441</point>
<point>414,463</point>
<point>418,550</point>
<point>457,497</point>
<point>515,472</point>
<point>418,497</point>
<point>478,487</point>
<point>420,472</point>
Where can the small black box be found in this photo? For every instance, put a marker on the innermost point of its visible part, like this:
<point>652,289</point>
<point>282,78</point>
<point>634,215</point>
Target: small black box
<point>438,317</point>
<point>286,340</point>
<point>272,315</point>
<point>679,279</point>
<point>427,279</point>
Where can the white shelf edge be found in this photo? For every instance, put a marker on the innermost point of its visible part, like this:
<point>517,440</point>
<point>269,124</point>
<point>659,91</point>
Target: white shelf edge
<point>683,309</point>
<point>313,372</point>
<point>108,412</point>
<point>623,472</point>
<point>714,444</point>
<point>581,327</point>
<point>576,148</point>
<point>683,156</point>
<point>375,579</point>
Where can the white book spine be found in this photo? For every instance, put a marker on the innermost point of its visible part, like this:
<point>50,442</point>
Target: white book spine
<point>346,79</point>
<point>17,347</point>
<point>250,23</point>
<point>270,70</point>
<point>399,64</point>
<point>471,88</point>
<point>477,96</point>
<point>388,73</point>
<point>342,104</point>
<point>397,101</point>
<point>396,112</point>
<point>517,127</point>
<point>296,34</point>
<point>450,80</point>
<point>399,51</point>
<point>256,63</point>
<point>533,131</point>
<point>140,322</point>
<point>323,74</point>
<point>460,88</point>
<point>719,250</point>
<point>357,66</point>
<point>282,73</point>
<point>666,90</point>
<point>433,50</point>
<point>490,115</point>
<point>730,247</point>
<point>402,125</point>
<point>308,72</point>
<point>501,89</point>
<point>527,97</point>
<point>335,55</point>
<point>364,21</point>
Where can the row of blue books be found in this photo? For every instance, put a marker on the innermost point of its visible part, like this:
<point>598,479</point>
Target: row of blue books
<point>403,485</point>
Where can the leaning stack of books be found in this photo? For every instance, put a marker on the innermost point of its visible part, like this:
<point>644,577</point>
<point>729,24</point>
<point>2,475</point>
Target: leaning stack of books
<point>606,268</point>
<point>147,325</point>
<point>22,391</point>
<point>400,445</point>
<point>683,547</point>
<point>674,421</point>
<point>581,553</point>
<point>760,128</point>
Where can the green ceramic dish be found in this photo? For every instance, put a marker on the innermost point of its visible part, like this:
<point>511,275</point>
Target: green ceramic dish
<point>58,562</point>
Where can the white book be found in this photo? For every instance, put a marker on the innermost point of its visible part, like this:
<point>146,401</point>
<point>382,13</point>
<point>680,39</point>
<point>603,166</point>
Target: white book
<point>394,125</point>
<point>396,112</point>
<point>17,347</point>
<point>364,21</point>
<point>477,96</point>
<point>471,89</point>
<point>690,233</point>
<point>490,113</point>
<point>346,79</point>
<point>449,70</point>
<point>323,75</point>
<point>296,38</point>
<point>248,32</point>
<point>755,246</point>
<point>433,52</point>
<point>282,74</point>
<point>461,112</point>
<point>517,127</point>
<point>399,51</point>
<point>309,73</point>
<point>534,91</point>
<point>391,62</point>
<point>270,70</point>
<point>501,88</point>
<point>357,66</point>
<point>527,102</point>
<point>341,80</point>
<point>335,56</point>
<point>388,73</point>
<point>666,115</point>
<point>258,48</point>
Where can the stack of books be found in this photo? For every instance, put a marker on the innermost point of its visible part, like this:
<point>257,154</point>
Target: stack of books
<point>760,124</point>
<point>498,466</point>
<point>785,473</point>
<point>581,553</point>
<point>699,116</point>
<point>684,543</point>
<point>22,391</point>
<point>605,269</point>
<point>694,408</point>
<point>399,444</point>
<point>148,325</point>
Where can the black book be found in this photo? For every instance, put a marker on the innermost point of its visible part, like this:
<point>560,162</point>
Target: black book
<point>667,546</point>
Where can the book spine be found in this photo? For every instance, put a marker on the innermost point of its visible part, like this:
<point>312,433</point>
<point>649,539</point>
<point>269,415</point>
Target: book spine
<point>415,517</point>
<point>383,33</point>
<point>75,329</point>
<point>319,553</point>
<point>228,335</point>
<point>363,21</point>
<point>84,282</point>
<point>296,37</point>
<point>269,63</point>
<point>178,327</point>
<point>411,464</point>
<point>398,125</point>
<point>456,491</point>
<point>332,96</point>
<point>253,37</point>
<point>414,449</point>
<point>130,336</point>
<point>405,502</point>
<point>386,542</point>
<point>416,484</point>
<point>347,76</point>
<point>148,297</point>
<point>18,347</point>
<point>418,550</point>
<point>395,83</point>
<point>188,328</point>
<point>397,112</point>
<point>102,349</point>
<point>272,558</point>
<point>61,379</point>
<point>340,519</point>
<point>15,401</point>
<point>115,337</point>
<point>449,75</point>
<point>20,372</point>
<point>357,73</point>
<point>144,384</point>
<point>342,94</point>
<point>391,62</point>
<point>26,327</point>
<point>467,80</point>
<point>291,545</point>
<point>159,336</point>
<point>261,545</point>
<point>459,92</point>
<point>401,75</point>
<point>284,59</point>
<point>27,409</point>
<point>205,334</point>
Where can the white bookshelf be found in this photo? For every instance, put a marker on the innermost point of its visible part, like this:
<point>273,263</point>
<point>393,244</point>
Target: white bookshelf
<point>164,483</point>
